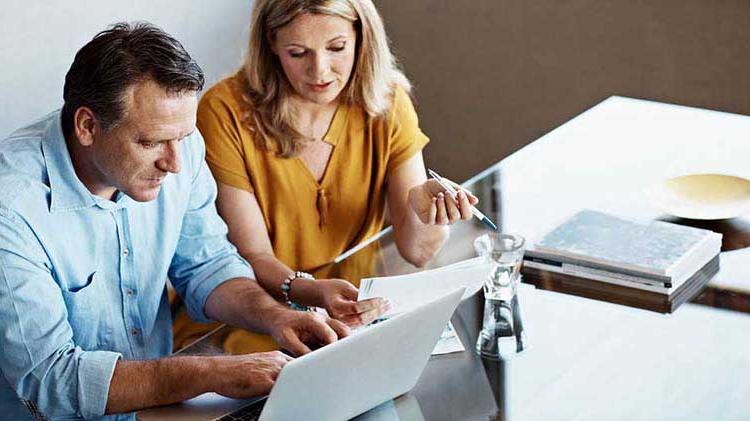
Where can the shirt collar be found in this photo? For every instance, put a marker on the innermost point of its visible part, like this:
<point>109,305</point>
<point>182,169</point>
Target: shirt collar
<point>338,122</point>
<point>67,191</point>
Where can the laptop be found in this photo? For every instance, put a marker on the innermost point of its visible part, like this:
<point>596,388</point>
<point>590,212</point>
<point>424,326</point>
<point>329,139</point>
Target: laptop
<point>338,381</point>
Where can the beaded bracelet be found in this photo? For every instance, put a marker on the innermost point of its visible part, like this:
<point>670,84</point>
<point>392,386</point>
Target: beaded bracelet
<point>286,288</point>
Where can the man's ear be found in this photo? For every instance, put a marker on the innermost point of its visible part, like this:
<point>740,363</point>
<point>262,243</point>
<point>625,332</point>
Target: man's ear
<point>85,125</point>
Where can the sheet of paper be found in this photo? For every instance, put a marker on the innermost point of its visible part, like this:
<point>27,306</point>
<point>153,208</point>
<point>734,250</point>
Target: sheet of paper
<point>406,292</point>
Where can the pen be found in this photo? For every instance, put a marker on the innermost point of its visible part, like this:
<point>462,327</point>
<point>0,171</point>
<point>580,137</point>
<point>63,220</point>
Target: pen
<point>476,212</point>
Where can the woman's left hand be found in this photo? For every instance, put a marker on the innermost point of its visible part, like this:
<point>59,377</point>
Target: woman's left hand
<point>435,206</point>
<point>339,298</point>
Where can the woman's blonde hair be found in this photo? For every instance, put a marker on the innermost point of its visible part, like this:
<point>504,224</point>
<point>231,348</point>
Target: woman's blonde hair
<point>374,75</point>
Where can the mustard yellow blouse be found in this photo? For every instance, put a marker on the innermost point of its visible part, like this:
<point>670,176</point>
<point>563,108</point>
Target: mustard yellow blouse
<point>310,222</point>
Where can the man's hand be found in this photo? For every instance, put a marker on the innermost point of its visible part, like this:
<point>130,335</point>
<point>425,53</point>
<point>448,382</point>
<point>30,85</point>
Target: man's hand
<point>292,329</point>
<point>339,298</point>
<point>142,384</point>
<point>244,376</point>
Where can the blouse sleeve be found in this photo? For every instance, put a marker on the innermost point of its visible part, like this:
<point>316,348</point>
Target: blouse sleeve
<point>405,136</point>
<point>219,121</point>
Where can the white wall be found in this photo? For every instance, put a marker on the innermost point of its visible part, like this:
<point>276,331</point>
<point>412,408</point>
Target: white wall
<point>38,40</point>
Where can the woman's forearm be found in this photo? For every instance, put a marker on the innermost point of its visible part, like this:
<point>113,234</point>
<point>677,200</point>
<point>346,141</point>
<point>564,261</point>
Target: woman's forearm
<point>418,243</point>
<point>271,273</point>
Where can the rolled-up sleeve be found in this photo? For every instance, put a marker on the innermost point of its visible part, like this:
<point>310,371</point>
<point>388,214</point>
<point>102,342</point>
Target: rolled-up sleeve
<point>204,257</point>
<point>39,357</point>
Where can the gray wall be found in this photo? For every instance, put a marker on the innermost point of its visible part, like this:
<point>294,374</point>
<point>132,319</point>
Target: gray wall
<point>38,40</point>
<point>490,75</point>
<point>493,75</point>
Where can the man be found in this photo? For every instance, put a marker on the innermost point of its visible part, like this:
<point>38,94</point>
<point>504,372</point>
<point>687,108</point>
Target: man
<point>100,203</point>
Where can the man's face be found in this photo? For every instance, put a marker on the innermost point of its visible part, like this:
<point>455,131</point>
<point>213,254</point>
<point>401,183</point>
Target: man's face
<point>137,154</point>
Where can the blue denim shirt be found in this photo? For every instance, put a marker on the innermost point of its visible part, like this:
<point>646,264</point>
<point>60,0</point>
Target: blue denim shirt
<point>82,279</point>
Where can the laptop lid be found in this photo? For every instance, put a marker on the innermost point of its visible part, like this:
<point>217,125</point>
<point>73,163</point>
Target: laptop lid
<point>359,372</point>
<point>341,380</point>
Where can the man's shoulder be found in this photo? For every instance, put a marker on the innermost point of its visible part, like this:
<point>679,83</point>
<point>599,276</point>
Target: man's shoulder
<point>23,174</point>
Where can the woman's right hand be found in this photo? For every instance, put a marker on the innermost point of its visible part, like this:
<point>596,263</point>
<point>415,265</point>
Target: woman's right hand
<point>339,298</point>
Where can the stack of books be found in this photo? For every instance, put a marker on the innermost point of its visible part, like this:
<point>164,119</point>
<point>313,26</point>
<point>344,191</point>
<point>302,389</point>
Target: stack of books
<point>654,265</point>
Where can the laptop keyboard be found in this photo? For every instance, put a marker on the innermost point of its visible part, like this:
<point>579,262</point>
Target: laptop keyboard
<point>247,413</point>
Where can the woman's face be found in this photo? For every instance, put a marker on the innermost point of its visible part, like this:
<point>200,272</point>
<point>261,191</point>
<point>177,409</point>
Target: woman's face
<point>317,55</point>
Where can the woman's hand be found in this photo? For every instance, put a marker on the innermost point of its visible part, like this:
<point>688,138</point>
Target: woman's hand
<point>435,206</point>
<point>339,298</point>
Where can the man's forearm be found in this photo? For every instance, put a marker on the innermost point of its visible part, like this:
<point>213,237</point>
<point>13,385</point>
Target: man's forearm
<point>141,384</point>
<point>241,302</point>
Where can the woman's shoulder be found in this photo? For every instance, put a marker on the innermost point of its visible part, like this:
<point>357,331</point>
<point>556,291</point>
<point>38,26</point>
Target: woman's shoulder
<point>401,105</point>
<point>221,116</point>
<point>399,93</point>
<point>228,92</point>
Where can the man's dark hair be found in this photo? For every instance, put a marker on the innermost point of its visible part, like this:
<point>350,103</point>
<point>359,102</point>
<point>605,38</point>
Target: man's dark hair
<point>119,57</point>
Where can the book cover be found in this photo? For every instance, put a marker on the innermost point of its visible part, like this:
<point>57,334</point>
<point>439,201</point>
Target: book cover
<point>657,248</point>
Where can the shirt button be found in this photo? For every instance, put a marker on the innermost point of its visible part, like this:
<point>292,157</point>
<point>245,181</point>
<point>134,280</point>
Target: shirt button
<point>125,252</point>
<point>129,291</point>
<point>134,332</point>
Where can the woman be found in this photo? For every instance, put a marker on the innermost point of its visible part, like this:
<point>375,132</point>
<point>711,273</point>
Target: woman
<point>310,141</point>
